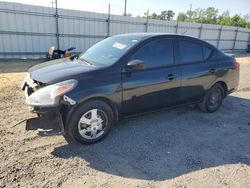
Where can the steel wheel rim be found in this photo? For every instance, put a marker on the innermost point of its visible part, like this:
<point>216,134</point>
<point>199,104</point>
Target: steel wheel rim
<point>214,99</point>
<point>92,124</point>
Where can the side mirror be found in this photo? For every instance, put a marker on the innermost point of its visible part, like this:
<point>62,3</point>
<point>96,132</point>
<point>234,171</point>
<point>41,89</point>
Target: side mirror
<point>135,64</point>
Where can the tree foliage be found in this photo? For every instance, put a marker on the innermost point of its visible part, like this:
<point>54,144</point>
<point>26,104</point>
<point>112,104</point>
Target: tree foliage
<point>210,15</point>
<point>165,15</point>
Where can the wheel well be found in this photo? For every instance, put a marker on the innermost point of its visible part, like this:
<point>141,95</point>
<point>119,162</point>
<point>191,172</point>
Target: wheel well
<point>224,86</point>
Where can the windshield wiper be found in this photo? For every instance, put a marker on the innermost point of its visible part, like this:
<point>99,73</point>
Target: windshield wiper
<point>76,57</point>
<point>85,61</point>
<point>73,57</point>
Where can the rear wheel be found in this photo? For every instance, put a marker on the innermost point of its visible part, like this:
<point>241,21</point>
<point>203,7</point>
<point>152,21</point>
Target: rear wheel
<point>90,122</point>
<point>213,99</point>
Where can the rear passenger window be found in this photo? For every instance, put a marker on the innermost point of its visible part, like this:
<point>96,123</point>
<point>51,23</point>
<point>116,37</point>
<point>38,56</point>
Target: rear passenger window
<point>156,53</point>
<point>190,51</point>
<point>206,52</point>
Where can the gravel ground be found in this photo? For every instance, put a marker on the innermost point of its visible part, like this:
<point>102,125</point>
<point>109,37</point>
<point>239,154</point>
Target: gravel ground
<point>177,148</point>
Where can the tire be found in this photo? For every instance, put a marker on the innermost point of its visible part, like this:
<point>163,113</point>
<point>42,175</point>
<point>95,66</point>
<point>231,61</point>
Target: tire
<point>213,99</point>
<point>90,123</point>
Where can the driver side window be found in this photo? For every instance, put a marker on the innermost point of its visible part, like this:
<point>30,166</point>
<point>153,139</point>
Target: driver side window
<point>156,53</point>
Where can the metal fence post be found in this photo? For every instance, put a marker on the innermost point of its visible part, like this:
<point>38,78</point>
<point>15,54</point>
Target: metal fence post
<point>176,27</point>
<point>108,22</point>
<point>235,38</point>
<point>146,24</point>
<point>57,28</point>
<point>200,30</point>
<point>219,36</point>
<point>248,42</point>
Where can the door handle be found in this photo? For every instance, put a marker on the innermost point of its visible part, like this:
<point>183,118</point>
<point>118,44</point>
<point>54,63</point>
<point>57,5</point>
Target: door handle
<point>171,77</point>
<point>212,71</point>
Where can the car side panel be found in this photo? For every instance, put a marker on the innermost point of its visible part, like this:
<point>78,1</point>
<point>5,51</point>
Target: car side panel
<point>227,74</point>
<point>150,90</point>
<point>93,87</point>
<point>196,79</point>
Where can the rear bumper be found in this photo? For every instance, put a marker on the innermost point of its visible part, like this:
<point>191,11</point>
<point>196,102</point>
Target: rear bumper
<point>233,80</point>
<point>232,85</point>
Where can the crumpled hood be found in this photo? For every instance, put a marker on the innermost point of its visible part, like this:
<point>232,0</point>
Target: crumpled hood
<point>58,70</point>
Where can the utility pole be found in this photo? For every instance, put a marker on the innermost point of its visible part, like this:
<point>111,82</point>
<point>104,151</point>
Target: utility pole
<point>190,11</point>
<point>57,27</point>
<point>190,7</point>
<point>52,4</point>
<point>125,8</point>
<point>146,24</point>
<point>108,22</point>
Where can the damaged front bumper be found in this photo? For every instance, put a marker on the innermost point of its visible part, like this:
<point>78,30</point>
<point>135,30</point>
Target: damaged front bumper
<point>46,114</point>
<point>43,110</point>
<point>47,118</point>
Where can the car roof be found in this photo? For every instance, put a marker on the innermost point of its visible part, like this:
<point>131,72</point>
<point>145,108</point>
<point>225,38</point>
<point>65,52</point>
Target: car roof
<point>144,36</point>
<point>149,35</point>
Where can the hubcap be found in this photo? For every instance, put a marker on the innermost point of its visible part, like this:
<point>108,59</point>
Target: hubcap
<point>92,124</point>
<point>214,99</point>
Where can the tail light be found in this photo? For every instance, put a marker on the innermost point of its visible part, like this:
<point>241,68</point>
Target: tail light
<point>236,65</point>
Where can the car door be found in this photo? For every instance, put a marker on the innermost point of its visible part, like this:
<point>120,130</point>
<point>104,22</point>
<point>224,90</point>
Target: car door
<point>197,72</point>
<point>155,86</point>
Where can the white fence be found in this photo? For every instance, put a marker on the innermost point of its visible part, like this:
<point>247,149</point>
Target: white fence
<point>28,31</point>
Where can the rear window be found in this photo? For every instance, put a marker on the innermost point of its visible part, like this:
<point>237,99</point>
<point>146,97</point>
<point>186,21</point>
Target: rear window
<point>190,51</point>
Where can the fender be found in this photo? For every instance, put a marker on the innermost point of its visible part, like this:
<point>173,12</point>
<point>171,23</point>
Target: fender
<point>113,99</point>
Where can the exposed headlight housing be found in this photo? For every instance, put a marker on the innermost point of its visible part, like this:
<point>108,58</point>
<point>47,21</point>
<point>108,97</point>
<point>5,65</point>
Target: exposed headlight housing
<point>29,81</point>
<point>49,95</point>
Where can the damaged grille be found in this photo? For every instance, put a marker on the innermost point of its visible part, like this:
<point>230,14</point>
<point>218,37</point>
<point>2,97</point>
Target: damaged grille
<point>30,86</point>
<point>29,90</point>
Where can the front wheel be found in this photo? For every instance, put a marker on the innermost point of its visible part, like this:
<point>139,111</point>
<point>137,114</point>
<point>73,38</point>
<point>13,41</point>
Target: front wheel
<point>90,122</point>
<point>213,99</point>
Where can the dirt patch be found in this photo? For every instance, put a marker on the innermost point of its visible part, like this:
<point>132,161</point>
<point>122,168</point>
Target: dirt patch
<point>177,148</point>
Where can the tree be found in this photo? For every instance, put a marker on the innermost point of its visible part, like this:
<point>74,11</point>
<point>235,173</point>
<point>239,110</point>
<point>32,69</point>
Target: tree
<point>224,18</point>
<point>167,15</point>
<point>211,15</point>
<point>182,17</point>
<point>154,16</point>
<point>238,21</point>
<point>208,15</point>
<point>247,17</point>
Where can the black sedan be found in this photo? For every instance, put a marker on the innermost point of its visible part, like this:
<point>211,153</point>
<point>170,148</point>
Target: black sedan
<point>126,75</point>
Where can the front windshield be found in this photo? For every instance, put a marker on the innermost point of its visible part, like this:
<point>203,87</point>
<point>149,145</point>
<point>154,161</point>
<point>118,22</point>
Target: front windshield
<point>108,51</point>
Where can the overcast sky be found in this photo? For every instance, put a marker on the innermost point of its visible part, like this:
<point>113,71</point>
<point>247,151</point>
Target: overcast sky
<point>138,7</point>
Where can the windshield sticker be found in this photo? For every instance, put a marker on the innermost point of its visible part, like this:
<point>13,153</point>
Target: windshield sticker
<point>119,45</point>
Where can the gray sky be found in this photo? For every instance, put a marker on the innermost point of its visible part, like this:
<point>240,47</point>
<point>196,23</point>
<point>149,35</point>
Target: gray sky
<point>138,7</point>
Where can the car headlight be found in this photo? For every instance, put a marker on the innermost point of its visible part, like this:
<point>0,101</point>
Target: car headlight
<point>49,95</point>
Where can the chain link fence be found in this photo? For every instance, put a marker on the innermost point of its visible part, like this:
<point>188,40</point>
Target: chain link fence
<point>28,31</point>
